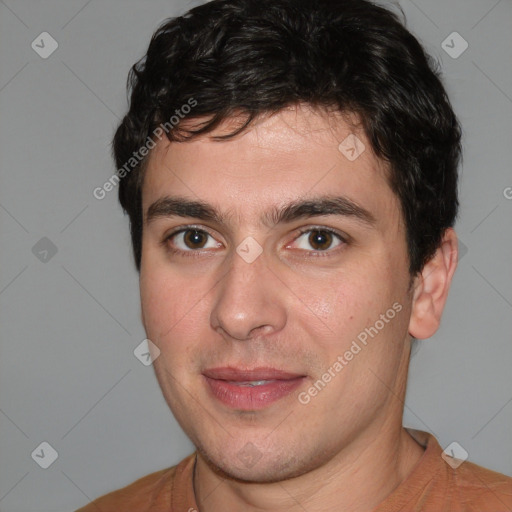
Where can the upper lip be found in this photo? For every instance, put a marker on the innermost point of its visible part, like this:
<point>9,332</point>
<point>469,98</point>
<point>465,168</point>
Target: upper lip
<point>252,374</point>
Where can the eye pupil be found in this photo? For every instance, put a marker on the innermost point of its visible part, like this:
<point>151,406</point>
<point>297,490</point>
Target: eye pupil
<point>320,240</point>
<point>194,239</point>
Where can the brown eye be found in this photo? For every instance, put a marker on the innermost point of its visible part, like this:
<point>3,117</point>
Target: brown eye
<point>190,240</point>
<point>320,240</point>
<point>195,239</point>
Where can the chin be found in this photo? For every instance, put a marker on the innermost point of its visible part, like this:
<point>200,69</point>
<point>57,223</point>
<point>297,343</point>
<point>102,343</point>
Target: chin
<point>265,468</point>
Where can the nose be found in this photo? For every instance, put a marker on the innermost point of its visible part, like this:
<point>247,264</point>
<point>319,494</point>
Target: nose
<point>249,301</point>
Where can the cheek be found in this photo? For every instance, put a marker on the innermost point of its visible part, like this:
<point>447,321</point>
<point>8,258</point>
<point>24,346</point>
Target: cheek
<point>339,304</point>
<point>349,309</point>
<point>157,312</point>
<point>169,307</point>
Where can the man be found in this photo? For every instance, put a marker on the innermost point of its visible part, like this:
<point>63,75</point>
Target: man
<point>292,222</point>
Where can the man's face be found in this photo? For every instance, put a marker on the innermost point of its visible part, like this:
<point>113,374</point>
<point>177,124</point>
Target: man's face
<point>322,281</point>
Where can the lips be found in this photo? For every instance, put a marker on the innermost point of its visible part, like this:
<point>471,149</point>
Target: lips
<point>250,389</point>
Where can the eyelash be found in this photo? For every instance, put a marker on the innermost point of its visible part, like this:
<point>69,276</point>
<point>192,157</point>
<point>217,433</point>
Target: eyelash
<point>196,253</point>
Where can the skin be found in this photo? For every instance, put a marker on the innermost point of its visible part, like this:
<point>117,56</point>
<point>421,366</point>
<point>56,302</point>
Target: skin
<point>295,308</point>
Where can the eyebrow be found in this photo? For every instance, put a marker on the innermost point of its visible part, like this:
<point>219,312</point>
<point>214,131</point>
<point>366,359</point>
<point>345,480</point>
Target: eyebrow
<point>319,206</point>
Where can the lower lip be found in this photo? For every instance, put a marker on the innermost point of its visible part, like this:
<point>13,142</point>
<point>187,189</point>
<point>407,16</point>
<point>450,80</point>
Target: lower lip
<point>251,398</point>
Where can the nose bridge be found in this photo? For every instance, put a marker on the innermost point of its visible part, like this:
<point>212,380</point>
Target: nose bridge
<point>246,299</point>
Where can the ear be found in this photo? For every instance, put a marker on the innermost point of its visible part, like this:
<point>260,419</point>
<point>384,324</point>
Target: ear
<point>431,288</point>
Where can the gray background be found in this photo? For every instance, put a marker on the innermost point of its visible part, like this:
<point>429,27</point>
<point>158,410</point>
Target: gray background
<point>70,323</point>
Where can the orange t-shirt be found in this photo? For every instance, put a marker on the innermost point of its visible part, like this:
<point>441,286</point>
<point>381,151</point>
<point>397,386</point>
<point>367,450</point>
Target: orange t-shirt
<point>432,486</point>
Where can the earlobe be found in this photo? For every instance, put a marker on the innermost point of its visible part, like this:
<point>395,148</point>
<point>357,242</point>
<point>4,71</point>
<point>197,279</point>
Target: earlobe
<point>431,288</point>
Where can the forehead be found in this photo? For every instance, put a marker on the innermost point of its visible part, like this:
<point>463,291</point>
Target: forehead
<point>296,153</point>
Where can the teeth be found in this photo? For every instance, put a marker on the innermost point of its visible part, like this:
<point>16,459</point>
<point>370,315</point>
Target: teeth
<point>253,383</point>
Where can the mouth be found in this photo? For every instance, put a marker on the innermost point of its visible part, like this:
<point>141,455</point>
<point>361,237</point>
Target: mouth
<point>250,389</point>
